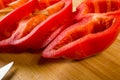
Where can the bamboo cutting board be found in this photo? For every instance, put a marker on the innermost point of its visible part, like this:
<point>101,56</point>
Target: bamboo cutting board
<point>104,66</point>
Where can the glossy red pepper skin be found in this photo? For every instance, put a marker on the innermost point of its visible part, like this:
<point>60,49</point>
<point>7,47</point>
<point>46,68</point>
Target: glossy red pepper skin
<point>84,38</point>
<point>84,46</point>
<point>9,23</point>
<point>37,38</point>
<point>91,32</point>
<point>16,16</point>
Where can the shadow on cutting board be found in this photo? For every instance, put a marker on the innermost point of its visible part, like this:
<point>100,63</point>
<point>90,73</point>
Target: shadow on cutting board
<point>28,59</point>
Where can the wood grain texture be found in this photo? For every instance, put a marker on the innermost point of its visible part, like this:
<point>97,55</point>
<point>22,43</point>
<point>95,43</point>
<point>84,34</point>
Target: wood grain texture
<point>104,66</point>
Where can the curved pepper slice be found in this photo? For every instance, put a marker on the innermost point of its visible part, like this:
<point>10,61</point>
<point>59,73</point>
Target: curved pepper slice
<point>92,34</point>
<point>98,6</point>
<point>32,33</point>
<point>38,36</point>
<point>8,23</point>
<point>16,16</point>
<point>94,30</point>
<point>27,25</point>
<point>7,6</point>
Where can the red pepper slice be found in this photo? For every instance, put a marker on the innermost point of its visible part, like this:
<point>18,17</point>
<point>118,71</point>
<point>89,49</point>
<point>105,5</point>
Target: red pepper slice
<point>12,20</point>
<point>15,16</point>
<point>94,30</point>
<point>10,5</point>
<point>98,6</point>
<point>41,32</point>
<point>92,34</point>
<point>94,6</point>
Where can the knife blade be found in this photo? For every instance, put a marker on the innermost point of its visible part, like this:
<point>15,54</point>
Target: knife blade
<point>5,69</point>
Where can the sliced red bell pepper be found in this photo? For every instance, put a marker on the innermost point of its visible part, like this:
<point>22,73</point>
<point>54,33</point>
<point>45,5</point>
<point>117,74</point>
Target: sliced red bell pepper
<point>94,30</point>
<point>91,31</point>
<point>98,6</point>
<point>38,32</point>
<point>90,35</point>
<point>15,16</point>
<point>8,23</point>
<point>41,33</point>
<point>11,5</point>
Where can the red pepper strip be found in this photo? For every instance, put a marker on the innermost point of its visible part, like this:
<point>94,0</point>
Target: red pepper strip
<point>98,6</point>
<point>15,16</point>
<point>11,19</point>
<point>111,7</point>
<point>90,35</point>
<point>27,25</point>
<point>38,36</point>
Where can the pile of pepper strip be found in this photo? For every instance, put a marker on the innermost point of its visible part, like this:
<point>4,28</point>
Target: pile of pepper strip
<point>51,26</point>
